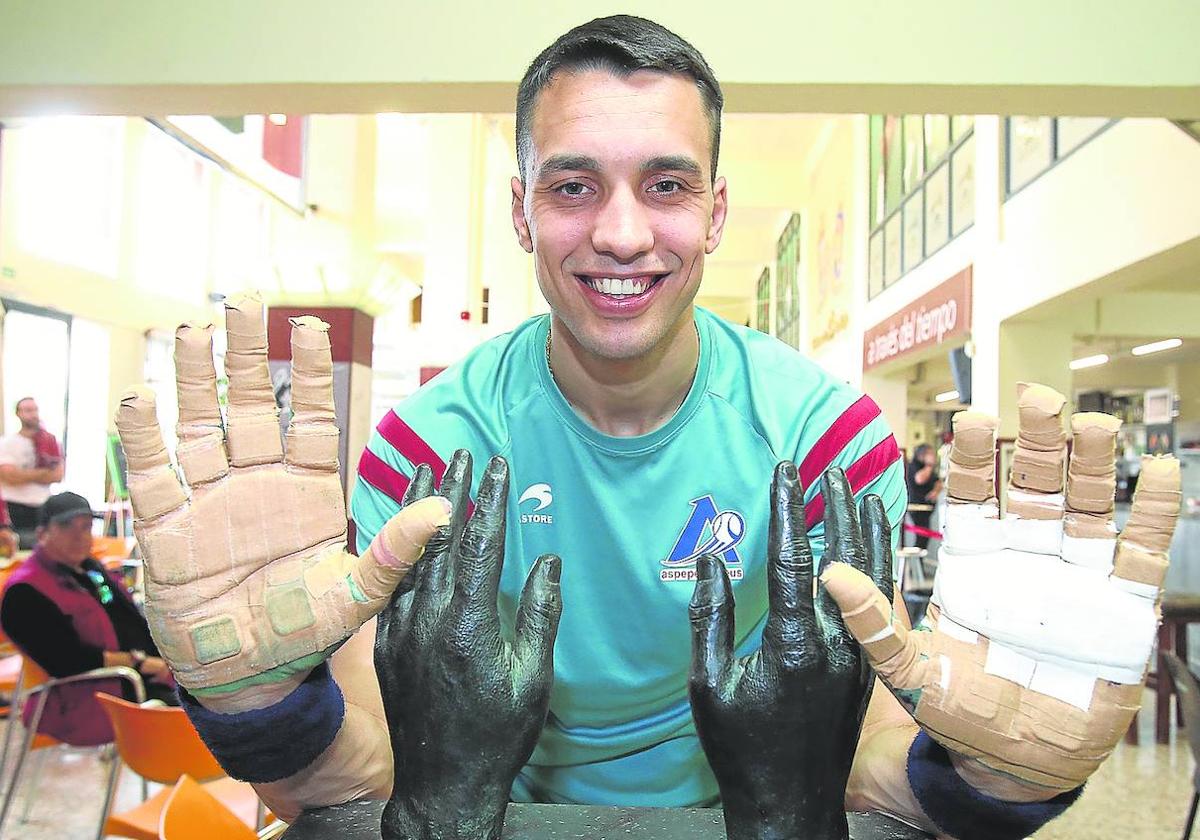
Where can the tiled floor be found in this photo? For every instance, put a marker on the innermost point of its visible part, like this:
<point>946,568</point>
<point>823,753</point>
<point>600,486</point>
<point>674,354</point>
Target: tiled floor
<point>1141,793</point>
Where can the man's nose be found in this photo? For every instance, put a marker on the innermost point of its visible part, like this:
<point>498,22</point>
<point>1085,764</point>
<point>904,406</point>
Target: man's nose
<point>622,228</point>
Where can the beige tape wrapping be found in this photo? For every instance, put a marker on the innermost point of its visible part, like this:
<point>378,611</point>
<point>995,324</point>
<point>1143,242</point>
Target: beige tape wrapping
<point>971,473</point>
<point>196,382</point>
<point>251,571</point>
<point>1002,724</point>
<point>312,437</point>
<point>154,488</point>
<point>253,417</point>
<point>1016,730</point>
<point>1143,545</point>
<point>236,622</point>
<point>203,459</point>
<point>1091,476</point>
<point>1040,455</point>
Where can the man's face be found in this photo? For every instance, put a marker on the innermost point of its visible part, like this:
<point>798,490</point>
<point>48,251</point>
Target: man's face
<point>619,207</point>
<point>27,411</point>
<point>68,543</point>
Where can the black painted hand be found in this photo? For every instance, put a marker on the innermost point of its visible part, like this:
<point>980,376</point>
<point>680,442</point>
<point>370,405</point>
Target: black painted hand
<point>464,706</point>
<point>781,725</point>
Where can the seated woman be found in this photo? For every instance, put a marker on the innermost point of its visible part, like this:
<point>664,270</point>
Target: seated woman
<point>69,615</point>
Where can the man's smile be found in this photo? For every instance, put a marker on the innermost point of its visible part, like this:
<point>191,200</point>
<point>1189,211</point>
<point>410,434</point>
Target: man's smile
<point>620,287</point>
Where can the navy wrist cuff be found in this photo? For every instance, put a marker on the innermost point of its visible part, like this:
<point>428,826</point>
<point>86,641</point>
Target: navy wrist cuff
<point>266,745</point>
<point>962,811</point>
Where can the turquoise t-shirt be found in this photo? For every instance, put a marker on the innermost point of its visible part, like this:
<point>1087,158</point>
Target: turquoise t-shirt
<point>628,516</point>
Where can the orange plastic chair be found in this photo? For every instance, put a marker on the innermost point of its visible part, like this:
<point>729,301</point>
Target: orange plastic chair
<point>160,744</point>
<point>38,685</point>
<point>192,813</point>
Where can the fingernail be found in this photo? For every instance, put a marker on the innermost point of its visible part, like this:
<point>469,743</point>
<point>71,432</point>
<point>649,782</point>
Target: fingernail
<point>706,568</point>
<point>553,569</point>
<point>789,471</point>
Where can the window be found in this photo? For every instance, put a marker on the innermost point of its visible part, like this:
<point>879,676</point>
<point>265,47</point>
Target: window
<point>483,307</point>
<point>763,302</point>
<point>37,363</point>
<point>922,191</point>
<point>172,249</point>
<point>68,190</point>
<point>414,310</point>
<point>1036,144</point>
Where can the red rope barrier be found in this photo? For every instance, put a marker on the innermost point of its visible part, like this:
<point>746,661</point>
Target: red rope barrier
<point>922,532</point>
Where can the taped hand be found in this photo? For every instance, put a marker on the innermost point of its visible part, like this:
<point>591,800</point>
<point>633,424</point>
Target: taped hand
<point>1030,664</point>
<point>780,726</point>
<point>248,581</point>
<point>464,706</point>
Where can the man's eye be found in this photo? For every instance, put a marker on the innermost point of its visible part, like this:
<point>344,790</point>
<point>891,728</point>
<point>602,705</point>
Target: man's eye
<point>666,187</point>
<point>573,189</point>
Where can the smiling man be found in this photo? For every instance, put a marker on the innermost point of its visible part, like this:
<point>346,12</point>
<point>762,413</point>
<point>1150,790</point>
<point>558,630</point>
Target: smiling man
<point>641,433</point>
<point>641,430</point>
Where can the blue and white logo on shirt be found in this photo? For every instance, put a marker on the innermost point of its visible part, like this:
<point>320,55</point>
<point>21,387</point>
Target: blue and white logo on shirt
<point>707,531</point>
<point>544,497</point>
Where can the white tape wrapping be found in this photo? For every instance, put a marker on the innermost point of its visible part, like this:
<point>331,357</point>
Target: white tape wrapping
<point>1050,611</point>
<point>1071,685</point>
<point>972,528</point>
<point>1036,536</point>
<point>1091,553</point>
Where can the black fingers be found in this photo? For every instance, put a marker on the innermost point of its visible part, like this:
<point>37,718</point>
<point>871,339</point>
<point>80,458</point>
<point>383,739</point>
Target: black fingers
<point>843,544</point>
<point>419,487</point>
<point>537,622</point>
<point>877,536</point>
<point>437,577</point>
<point>790,630</point>
<point>711,616</point>
<point>477,579</point>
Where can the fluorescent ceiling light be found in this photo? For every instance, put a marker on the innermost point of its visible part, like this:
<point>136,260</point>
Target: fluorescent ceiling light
<point>1089,361</point>
<point>946,396</point>
<point>1156,346</point>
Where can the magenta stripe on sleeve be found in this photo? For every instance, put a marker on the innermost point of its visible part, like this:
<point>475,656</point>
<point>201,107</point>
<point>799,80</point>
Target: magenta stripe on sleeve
<point>384,478</point>
<point>409,444</point>
<point>843,430</point>
<point>861,473</point>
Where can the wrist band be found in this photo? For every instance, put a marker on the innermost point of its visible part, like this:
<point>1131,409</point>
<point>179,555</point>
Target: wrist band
<point>963,811</point>
<point>266,745</point>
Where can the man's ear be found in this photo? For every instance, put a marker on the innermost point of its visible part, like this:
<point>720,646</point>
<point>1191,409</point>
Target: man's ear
<point>716,225</point>
<point>520,223</point>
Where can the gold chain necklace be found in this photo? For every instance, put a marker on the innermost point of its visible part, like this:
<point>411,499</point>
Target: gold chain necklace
<point>548,365</point>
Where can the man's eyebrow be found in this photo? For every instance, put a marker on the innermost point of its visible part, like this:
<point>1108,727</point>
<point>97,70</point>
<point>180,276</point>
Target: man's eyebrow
<point>567,163</point>
<point>673,163</point>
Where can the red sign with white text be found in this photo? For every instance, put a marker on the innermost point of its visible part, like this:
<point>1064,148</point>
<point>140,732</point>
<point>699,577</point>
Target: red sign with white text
<point>932,319</point>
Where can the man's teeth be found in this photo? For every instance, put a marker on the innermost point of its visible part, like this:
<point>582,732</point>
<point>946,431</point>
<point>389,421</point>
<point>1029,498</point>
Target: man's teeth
<point>618,285</point>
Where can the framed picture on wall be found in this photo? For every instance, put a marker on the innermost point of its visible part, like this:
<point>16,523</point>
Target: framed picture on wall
<point>787,284</point>
<point>762,302</point>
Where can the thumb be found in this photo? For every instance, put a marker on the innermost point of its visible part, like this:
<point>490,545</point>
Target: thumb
<point>894,652</point>
<point>398,545</point>
<point>711,616</point>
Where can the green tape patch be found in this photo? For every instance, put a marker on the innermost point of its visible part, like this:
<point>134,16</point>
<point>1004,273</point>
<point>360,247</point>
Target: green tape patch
<point>289,609</point>
<point>216,640</point>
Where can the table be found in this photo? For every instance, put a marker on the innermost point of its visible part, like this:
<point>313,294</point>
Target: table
<point>360,821</point>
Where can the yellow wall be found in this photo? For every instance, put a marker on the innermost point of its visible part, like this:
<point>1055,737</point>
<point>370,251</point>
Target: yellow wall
<point>379,55</point>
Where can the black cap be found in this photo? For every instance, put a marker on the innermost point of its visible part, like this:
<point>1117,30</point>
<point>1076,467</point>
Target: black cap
<point>63,507</point>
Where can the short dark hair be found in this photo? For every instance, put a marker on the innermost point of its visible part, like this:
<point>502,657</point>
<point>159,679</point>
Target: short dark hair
<point>620,44</point>
<point>17,404</point>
